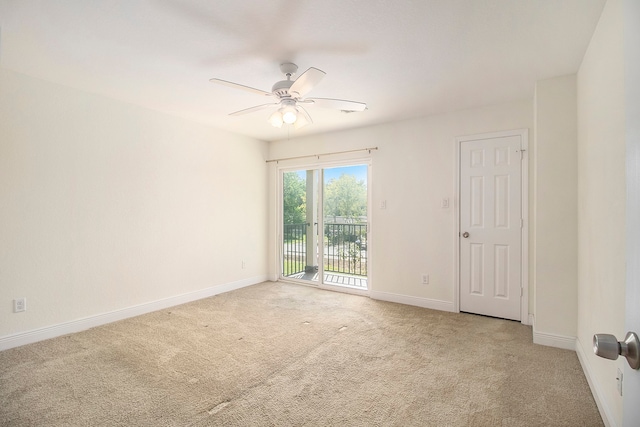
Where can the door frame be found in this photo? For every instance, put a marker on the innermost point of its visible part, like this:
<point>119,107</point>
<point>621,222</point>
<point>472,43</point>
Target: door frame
<point>524,238</point>
<point>317,163</point>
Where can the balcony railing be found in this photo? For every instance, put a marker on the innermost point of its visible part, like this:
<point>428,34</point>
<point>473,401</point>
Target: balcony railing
<point>294,258</point>
<point>345,249</point>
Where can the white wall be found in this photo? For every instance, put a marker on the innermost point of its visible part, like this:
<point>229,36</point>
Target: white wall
<point>105,205</point>
<point>413,170</point>
<point>601,202</point>
<point>555,202</point>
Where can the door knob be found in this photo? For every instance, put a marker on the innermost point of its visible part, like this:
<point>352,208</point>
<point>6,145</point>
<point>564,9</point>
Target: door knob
<point>465,234</point>
<point>608,346</point>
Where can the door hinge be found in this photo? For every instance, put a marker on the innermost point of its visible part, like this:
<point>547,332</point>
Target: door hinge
<point>521,223</point>
<point>521,292</point>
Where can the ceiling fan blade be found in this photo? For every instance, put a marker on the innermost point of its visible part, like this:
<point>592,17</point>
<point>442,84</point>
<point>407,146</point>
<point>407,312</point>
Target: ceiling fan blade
<point>306,82</point>
<point>339,104</point>
<point>239,86</point>
<point>252,109</point>
<point>303,118</point>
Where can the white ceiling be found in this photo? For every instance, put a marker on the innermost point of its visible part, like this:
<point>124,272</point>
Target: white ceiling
<point>404,58</point>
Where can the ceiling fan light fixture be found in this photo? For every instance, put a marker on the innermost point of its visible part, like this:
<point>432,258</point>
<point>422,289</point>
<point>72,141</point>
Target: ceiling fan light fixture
<point>301,121</point>
<point>276,119</point>
<point>289,114</point>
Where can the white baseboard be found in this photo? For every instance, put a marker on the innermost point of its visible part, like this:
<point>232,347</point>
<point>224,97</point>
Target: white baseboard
<point>416,301</point>
<point>573,343</point>
<point>605,411</point>
<point>554,340</point>
<point>28,337</point>
<point>551,340</point>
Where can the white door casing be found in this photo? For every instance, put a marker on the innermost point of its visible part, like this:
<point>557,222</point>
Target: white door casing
<point>491,212</point>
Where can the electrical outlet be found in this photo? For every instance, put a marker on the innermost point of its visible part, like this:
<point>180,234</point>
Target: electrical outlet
<point>619,381</point>
<point>445,203</point>
<point>19,304</point>
<point>425,279</point>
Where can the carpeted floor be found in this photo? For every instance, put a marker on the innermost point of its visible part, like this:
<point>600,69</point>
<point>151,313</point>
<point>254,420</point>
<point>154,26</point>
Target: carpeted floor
<point>276,354</point>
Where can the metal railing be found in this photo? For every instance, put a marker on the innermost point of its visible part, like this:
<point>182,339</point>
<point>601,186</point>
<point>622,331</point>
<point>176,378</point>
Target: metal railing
<point>294,258</point>
<point>345,248</point>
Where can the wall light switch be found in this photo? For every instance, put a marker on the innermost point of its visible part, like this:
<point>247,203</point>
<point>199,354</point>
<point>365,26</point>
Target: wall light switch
<point>19,305</point>
<point>445,203</point>
<point>383,204</point>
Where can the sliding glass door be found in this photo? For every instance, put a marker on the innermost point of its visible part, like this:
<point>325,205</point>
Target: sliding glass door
<point>300,249</point>
<point>324,226</point>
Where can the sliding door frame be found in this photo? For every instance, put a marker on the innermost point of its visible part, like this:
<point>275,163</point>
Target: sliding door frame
<point>320,165</point>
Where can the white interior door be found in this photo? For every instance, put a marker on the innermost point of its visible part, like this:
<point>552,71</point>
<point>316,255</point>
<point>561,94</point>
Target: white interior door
<point>491,226</point>
<point>631,378</point>
<point>631,382</point>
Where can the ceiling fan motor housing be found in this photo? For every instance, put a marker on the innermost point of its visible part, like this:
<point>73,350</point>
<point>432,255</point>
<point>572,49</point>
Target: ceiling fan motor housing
<point>281,88</point>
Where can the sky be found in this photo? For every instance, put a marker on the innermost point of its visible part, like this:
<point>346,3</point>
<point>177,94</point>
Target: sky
<point>360,171</point>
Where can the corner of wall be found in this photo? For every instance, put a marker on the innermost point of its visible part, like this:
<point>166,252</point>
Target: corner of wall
<point>551,340</point>
<point>554,212</point>
<point>598,395</point>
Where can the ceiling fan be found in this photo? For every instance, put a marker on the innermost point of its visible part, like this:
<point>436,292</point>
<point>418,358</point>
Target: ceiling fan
<point>290,97</point>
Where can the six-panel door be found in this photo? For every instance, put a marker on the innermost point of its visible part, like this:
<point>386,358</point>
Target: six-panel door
<point>490,212</point>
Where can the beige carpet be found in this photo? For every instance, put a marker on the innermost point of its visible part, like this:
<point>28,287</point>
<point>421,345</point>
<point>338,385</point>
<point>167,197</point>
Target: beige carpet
<point>285,355</point>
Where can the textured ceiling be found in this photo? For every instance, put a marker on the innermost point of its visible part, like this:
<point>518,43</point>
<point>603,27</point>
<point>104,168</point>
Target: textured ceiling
<point>404,58</point>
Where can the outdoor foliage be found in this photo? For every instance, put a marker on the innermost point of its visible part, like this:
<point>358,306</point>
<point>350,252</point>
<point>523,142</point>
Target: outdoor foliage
<point>294,206</point>
<point>345,197</point>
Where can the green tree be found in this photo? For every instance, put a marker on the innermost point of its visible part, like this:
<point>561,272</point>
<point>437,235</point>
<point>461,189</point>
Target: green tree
<point>345,197</point>
<point>294,195</point>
